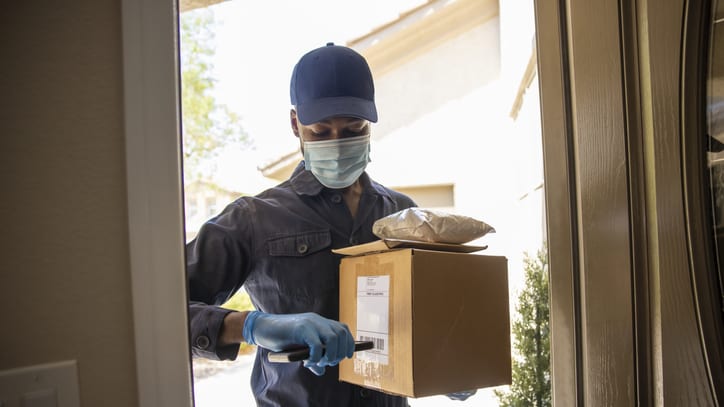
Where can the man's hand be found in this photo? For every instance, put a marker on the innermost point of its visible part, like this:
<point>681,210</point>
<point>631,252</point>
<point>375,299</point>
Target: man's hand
<point>329,341</point>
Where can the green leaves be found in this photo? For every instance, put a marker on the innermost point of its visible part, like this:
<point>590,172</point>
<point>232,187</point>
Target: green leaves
<point>207,125</point>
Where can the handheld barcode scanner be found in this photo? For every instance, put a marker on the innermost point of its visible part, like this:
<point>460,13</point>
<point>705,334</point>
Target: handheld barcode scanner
<point>299,354</point>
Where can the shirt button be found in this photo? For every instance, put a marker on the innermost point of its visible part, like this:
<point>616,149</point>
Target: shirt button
<point>337,198</point>
<point>202,342</point>
<point>364,393</point>
<point>353,240</point>
<point>302,248</point>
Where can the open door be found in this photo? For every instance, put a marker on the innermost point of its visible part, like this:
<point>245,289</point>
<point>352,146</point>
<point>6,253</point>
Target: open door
<point>636,294</point>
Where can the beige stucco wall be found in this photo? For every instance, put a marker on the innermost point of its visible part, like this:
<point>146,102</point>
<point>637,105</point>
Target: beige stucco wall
<point>65,288</point>
<point>453,121</point>
<point>445,119</point>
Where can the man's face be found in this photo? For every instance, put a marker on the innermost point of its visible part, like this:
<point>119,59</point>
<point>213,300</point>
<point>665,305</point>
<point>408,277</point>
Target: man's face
<point>329,129</point>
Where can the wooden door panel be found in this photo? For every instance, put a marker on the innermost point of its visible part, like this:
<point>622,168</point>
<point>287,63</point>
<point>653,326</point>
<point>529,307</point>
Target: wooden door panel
<point>626,327</point>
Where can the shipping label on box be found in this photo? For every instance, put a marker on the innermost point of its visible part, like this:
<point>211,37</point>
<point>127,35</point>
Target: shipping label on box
<point>373,317</point>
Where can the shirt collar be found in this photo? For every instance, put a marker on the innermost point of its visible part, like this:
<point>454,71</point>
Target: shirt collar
<point>305,183</point>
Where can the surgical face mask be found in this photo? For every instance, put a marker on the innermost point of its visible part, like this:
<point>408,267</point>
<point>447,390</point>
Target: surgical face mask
<point>337,163</point>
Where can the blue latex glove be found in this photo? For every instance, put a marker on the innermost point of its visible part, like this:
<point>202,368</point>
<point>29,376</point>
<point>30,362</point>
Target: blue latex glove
<point>461,395</point>
<point>329,341</point>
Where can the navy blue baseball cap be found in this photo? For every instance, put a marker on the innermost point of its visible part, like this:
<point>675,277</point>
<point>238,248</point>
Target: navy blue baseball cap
<point>332,81</point>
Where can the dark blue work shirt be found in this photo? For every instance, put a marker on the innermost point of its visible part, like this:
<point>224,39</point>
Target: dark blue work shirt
<point>278,246</point>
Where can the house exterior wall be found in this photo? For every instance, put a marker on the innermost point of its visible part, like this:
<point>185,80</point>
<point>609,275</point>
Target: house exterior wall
<point>434,106</point>
<point>525,219</point>
<point>202,202</point>
<point>445,73</point>
<point>65,289</point>
<point>445,118</point>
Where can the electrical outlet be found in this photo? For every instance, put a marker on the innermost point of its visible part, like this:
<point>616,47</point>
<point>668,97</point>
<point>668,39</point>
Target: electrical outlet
<point>48,385</point>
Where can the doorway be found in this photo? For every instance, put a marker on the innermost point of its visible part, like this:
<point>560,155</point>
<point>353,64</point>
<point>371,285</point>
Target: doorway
<point>479,122</point>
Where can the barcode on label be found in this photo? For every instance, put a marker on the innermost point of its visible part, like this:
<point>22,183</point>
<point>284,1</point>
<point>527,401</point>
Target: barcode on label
<point>378,342</point>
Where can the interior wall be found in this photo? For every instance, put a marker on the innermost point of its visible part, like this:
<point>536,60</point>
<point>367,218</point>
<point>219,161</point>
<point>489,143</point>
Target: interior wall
<point>65,286</point>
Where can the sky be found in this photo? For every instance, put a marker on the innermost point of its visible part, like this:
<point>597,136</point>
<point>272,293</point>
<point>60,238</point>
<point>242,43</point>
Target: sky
<point>257,45</point>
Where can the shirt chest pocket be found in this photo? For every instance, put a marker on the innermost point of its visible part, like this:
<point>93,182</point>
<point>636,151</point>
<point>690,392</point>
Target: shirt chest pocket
<point>299,244</point>
<point>302,266</point>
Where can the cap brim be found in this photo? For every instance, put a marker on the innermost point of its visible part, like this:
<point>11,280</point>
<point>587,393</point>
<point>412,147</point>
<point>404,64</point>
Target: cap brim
<point>321,109</point>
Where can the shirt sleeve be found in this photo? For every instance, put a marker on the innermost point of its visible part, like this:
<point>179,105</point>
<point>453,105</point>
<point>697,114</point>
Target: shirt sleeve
<point>216,266</point>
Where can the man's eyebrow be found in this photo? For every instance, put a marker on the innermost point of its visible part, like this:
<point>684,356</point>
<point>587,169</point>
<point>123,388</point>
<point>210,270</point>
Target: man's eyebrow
<point>357,122</point>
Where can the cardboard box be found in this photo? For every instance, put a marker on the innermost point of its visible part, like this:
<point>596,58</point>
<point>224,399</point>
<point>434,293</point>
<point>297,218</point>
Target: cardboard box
<point>439,320</point>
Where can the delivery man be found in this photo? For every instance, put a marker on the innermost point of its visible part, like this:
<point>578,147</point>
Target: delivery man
<point>278,244</point>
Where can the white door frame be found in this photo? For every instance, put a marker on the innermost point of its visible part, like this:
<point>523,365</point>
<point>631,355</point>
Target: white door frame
<point>155,214</point>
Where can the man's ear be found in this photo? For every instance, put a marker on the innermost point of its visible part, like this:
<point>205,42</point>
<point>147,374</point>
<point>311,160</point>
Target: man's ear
<point>293,121</point>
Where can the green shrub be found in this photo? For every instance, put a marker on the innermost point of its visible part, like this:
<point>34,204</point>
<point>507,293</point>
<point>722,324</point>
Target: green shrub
<point>531,331</point>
